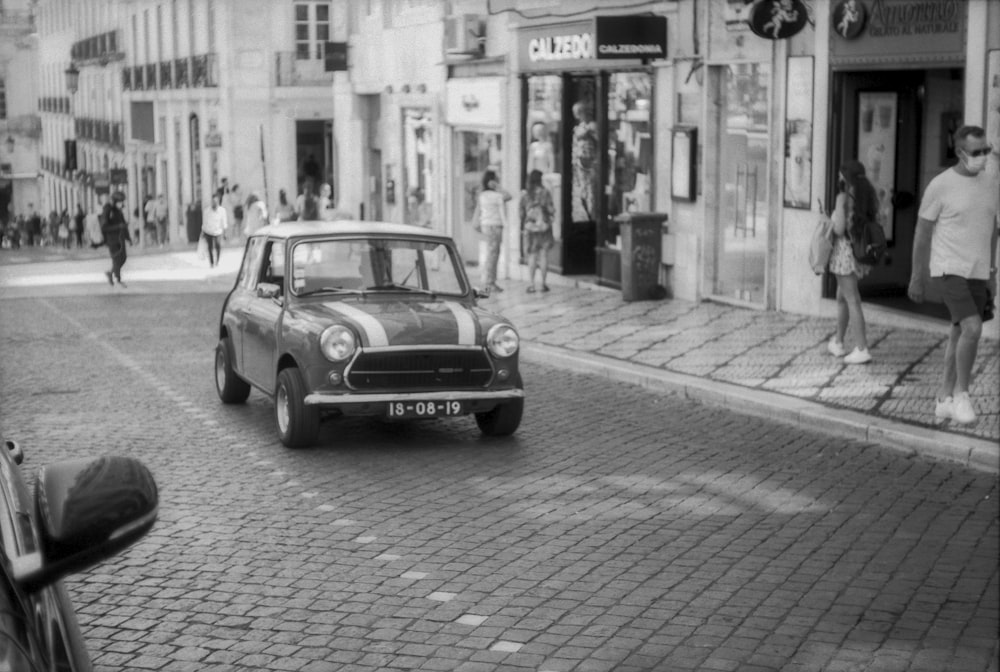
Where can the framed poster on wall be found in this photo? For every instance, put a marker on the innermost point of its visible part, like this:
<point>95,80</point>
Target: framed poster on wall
<point>877,111</point>
<point>798,133</point>
<point>683,160</point>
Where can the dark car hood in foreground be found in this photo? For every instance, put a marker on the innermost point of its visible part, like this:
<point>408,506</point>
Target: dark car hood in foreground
<point>387,321</point>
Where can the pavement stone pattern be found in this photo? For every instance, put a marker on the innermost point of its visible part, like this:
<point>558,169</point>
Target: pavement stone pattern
<point>766,350</point>
<point>620,529</point>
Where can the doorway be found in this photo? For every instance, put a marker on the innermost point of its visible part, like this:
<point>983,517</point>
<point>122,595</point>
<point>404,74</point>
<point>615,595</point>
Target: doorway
<point>898,124</point>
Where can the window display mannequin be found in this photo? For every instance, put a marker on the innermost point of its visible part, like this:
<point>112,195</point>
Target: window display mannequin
<point>541,155</point>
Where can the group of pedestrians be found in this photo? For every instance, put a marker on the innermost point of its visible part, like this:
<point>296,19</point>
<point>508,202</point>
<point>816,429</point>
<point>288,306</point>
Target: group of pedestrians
<point>58,230</point>
<point>954,252</point>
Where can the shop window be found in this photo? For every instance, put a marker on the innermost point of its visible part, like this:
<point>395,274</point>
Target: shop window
<point>418,166</point>
<point>543,130</point>
<point>630,143</point>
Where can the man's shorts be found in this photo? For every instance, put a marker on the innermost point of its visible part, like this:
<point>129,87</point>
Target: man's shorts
<point>962,297</point>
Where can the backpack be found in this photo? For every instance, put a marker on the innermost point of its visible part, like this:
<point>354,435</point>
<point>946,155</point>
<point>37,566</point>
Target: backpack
<point>869,245</point>
<point>310,209</point>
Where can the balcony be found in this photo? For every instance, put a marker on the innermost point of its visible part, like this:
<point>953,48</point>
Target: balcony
<point>292,71</point>
<point>127,79</point>
<point>181,73</point>
<point>204,71</point>
<point>99,130</point>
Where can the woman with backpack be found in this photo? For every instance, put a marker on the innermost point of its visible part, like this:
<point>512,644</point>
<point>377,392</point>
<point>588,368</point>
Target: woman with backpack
<point>856,205</point>
<point>537,211</point>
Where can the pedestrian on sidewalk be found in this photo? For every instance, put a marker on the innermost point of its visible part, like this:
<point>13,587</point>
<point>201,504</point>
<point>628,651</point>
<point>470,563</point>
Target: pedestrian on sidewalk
<point>115,230</point>
<point>256,215</point>
<point>79,219</point>
<point>160,220</point>
<point>856,204</point>
<point>537,211</point>
<point>149,226</point>
<point>285,212</point>
<point>63,229</point>
<point>954,248</point>
<point>214,222</point>
<point>490,219</point>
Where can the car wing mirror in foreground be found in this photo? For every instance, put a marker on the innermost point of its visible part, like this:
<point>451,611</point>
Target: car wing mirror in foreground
<point>88,510</point>
<point>268,290</point>
<point>481,293</point>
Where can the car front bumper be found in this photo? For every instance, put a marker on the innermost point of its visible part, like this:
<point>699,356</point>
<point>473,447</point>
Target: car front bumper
<point>377,401</point>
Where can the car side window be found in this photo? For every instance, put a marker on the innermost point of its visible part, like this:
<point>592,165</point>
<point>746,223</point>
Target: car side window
<point>273,268</point>
<point>251,260</point>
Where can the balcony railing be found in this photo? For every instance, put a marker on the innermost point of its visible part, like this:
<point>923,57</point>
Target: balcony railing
<point>99,130</point>
<point>293,71</point>
<point>102,48</point>
<point>57,104</point>
<point>181,73</point>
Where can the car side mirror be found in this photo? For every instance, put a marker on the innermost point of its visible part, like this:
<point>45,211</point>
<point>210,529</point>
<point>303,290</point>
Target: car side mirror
<point>481,293</point>
<point>87,511</point>
<point>268,290</point>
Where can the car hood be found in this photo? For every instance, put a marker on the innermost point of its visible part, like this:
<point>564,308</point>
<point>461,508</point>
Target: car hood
<point>388,322</point>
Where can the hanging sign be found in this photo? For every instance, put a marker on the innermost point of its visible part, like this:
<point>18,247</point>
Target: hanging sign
<point>849,17</point>
<point>777,19</point>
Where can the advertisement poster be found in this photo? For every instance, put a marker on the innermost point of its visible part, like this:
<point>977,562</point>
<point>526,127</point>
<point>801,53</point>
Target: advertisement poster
<point>877,148</point>
<point>798,133</point>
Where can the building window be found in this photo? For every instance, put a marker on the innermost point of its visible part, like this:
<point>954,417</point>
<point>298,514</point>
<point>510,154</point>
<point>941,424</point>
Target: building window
<point>312,29</point>
<point>3,99</point>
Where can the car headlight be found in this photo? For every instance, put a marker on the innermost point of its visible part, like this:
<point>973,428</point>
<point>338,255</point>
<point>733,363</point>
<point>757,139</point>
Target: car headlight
<point>502,340</point>
<point>337,343</point>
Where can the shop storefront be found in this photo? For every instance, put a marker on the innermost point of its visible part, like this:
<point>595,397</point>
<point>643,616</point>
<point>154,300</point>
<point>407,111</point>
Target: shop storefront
<point>898,84</point>
<point>474,114</point>
<point>588,119</point>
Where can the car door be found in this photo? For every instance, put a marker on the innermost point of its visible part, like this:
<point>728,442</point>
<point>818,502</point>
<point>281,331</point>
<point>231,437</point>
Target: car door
<point>263,316</point>
<point>239,298</point>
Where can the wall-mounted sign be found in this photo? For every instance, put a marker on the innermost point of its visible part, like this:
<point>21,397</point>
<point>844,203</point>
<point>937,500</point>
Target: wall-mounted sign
<point>119,176</point>
<point>888,31</point>
<point>102,183</point>
<point>213,140</point>
<point>590,44</point>
<point>335,56</point>
<point>849,18</point>
<point>474,101</point>
<point>633,36</point>
<point>777,19</point>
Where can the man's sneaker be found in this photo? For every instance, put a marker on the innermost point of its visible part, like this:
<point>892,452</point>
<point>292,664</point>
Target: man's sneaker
<point>859,356</point>
<point>962,411</point>
<point>944,408</point>
<point>836,347</point>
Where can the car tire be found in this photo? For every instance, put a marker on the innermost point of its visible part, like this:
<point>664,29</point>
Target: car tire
<point>231,388</point>
<point>297,424</point>
<point>504,419</point>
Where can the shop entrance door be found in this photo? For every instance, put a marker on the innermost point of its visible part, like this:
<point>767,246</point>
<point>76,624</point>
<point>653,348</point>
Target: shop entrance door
<point>740,249</point>
<point>880,120</point>
<point>580,207</point>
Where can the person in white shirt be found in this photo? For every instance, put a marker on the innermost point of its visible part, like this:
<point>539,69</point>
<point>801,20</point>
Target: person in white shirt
<point>255,216</point>
<point>955,247</point>
<point>214,222</point>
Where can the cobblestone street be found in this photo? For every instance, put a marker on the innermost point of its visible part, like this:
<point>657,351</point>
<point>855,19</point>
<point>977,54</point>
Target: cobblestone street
<point>618,530</point>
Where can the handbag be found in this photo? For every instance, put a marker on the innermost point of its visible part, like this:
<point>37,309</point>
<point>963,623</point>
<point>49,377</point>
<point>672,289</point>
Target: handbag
<point>821,245</point>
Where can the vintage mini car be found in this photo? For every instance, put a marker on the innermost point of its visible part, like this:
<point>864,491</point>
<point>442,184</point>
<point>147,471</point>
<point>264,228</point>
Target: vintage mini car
<point>364,318</point>
<point>82,511</point>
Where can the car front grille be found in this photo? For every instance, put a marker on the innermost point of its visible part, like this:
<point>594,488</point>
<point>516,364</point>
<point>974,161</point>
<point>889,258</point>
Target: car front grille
<point>409,370</point>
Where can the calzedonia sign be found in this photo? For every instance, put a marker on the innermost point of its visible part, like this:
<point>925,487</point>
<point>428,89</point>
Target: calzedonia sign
<point>583,43</point>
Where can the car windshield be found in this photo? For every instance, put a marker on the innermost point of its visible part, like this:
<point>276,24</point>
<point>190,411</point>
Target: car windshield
<point>362,265</point>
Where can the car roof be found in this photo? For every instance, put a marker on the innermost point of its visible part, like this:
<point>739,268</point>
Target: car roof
<point>346,227</point>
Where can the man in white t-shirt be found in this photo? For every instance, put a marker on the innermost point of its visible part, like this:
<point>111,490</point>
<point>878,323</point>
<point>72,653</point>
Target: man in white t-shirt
<point>955,246</point>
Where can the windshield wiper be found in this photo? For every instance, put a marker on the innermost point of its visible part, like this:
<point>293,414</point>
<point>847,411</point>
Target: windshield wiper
<point>331,289</point>
<point>403,288</point>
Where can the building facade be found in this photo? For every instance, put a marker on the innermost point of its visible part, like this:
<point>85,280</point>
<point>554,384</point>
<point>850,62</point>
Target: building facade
<point>20,123</point>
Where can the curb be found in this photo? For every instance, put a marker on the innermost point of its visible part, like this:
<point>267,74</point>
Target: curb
<point>978,454</point>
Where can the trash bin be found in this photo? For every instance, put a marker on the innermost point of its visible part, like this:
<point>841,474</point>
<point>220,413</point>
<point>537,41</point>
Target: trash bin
<point>641,234</point>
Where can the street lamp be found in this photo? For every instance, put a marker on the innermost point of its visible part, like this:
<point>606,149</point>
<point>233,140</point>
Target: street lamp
<point>72,79</point>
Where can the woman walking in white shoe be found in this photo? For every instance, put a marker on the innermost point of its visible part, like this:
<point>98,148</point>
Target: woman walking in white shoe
<point>856,203</point>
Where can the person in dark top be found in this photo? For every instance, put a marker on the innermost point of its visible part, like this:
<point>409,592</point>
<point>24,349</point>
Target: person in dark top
<point>78,221</point>
<point>114,227</point>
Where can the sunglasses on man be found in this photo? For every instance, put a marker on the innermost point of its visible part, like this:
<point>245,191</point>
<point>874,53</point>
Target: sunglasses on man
<point>978,152</point>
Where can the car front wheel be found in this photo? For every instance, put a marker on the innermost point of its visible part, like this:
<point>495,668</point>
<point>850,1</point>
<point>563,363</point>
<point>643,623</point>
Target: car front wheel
<point>231,388</point>
<point>298,424</point>
<point>505,417</point>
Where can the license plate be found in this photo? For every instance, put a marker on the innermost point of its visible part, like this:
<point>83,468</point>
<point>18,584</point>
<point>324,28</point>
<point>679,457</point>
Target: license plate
<point>424,409</point>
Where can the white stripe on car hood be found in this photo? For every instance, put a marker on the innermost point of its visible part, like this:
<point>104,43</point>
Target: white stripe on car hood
<point>374,331</point>
<point>463,319</point>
